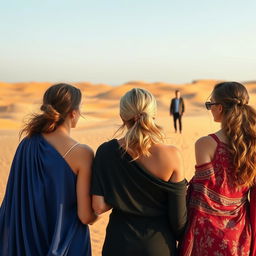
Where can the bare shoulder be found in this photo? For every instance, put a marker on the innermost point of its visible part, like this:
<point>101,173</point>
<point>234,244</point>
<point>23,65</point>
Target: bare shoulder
<point>171,161</point>
<point>167,160</point>
<point>163,151</point>
<point>167,150</point>
<point>205,142</point>
<point>204,149</point>
<point>175,163</point>
<point>84,150</point>
<point>80,154</point>
<point>82,158</point>
<point>205,139</point>
<point>174,154</point>
<point>173,150</point>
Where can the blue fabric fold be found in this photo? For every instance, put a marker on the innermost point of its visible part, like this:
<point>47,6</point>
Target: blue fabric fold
<point>38,215</point>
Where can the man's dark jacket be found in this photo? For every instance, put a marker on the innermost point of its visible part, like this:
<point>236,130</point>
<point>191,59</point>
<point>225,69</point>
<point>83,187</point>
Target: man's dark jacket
<point>181,106</point>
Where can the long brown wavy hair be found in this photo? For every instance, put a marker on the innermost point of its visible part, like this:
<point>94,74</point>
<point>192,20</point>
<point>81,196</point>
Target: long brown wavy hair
<point>58,101</point>
<point>138,111</point>
<point>239,125</point>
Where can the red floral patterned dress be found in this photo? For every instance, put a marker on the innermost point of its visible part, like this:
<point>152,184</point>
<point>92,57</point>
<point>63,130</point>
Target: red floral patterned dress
<point>219,220</point>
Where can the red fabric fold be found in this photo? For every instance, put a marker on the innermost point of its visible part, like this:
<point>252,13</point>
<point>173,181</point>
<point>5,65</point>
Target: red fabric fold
<point>253,220</point>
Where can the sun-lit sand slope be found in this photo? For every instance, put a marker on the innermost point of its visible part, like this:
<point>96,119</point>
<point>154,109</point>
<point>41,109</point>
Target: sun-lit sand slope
<point>101,120</point>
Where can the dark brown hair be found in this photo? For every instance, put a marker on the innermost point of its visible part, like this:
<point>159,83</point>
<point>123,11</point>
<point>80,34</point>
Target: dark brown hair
<point>239,125</point>
<point>58,101</point>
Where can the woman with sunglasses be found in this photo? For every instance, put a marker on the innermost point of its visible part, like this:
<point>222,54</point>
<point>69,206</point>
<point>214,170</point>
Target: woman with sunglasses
<point>219,220</point>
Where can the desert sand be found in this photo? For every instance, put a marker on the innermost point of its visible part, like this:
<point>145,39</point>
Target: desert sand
<point>101,120</point>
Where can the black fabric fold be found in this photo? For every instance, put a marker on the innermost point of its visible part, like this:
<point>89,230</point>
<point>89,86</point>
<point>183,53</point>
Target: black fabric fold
<point>132,190</point>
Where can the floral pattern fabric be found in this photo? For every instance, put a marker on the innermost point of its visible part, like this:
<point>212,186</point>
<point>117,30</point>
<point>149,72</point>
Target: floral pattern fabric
<point>219,220</point>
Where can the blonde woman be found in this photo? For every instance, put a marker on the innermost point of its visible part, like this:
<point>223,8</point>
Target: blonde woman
<point>142,180</point>
<point>219,221</point>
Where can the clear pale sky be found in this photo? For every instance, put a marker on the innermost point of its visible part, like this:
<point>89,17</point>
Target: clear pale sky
<point>117,41</point>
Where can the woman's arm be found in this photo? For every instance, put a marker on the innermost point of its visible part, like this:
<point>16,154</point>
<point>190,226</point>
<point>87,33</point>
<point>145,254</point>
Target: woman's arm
<point>99,205</point>
<point>84,158</point>
<point>204,150</point>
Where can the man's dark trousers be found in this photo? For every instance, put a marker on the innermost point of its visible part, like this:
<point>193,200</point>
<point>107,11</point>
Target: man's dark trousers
<point>177,116</point>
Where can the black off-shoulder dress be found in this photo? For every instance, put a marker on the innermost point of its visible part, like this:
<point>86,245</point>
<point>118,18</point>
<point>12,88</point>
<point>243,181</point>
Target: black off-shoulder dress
<point>149,214</point>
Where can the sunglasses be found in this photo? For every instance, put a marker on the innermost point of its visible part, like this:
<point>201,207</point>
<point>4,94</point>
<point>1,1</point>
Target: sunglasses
<point>208,104</point>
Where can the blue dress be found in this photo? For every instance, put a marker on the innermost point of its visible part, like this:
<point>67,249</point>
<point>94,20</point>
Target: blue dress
<point>38,216</point>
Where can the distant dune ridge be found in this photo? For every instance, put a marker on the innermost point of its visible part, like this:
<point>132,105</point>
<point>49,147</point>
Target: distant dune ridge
<point>18,99</point>
<point>100,108</point>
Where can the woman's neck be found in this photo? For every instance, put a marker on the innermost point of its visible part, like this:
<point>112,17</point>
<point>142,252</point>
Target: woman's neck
<point>63,129</point>
<point>222,136</point>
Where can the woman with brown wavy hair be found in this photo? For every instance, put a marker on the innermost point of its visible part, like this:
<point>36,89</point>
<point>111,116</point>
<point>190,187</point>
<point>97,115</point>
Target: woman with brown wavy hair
<point>47,203</point>
<point>142,180</point>
<point>219,220</point>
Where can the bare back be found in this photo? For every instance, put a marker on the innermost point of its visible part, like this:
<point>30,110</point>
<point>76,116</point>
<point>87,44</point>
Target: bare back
<point>66,147</point>
<point>165,162</point>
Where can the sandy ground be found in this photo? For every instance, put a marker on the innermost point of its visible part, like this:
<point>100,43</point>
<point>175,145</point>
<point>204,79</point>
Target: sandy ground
<point>100,109</point>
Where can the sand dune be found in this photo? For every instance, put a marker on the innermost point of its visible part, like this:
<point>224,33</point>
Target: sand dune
<point>101,120</point>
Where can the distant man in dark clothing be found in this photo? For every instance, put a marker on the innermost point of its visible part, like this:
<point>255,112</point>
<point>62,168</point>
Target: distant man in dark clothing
<point>177,109</point>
